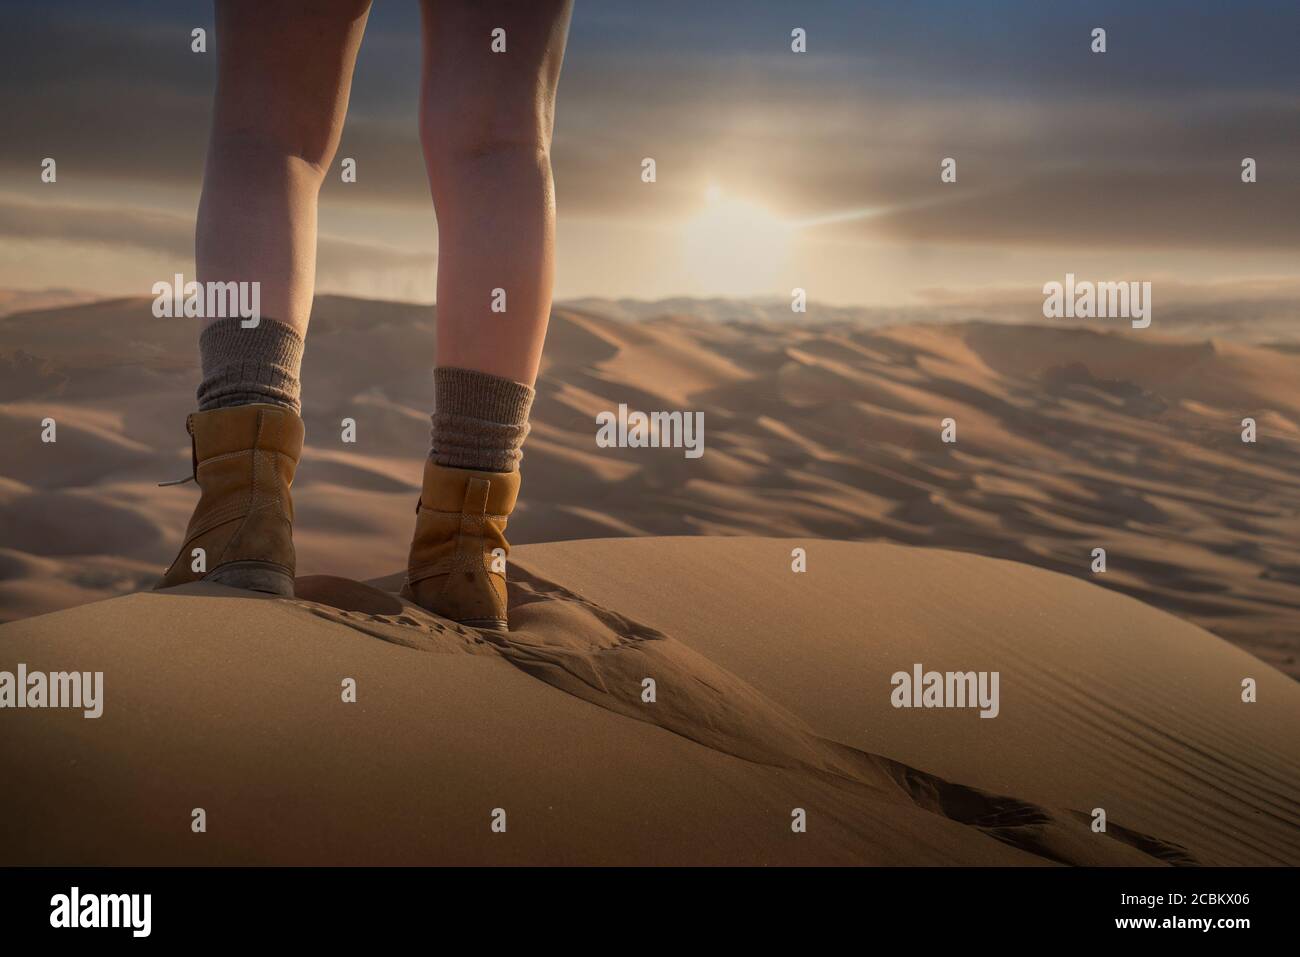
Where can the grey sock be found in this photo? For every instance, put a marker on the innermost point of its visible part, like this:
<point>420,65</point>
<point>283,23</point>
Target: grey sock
<point>479,420</point>
<point>243,366</point>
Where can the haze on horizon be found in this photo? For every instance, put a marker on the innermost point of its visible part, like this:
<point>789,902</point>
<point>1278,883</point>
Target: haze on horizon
<point>775,169</point>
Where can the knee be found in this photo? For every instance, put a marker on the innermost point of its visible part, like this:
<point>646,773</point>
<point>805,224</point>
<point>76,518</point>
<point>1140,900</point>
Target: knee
<point>460,141</point>
<point>309,150</point>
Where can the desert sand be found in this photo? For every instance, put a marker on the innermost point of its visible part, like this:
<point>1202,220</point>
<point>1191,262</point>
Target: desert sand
<point>1119,691</point>
<point>1070,437</point>
<point>773,693</point>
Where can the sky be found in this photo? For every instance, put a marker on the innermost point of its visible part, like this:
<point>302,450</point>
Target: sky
<point>775,169</point>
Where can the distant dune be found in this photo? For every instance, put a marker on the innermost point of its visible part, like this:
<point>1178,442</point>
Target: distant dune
<point>26,300</point>
<point>1069,438</point>
<point>771,706</point>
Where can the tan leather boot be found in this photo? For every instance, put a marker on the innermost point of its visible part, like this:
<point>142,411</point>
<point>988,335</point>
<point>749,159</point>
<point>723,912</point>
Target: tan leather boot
<point>460,521</point>
<point>244,461</point>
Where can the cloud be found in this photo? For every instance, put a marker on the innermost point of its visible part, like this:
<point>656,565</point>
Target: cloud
<point>342,261</point>
<point>1136,149</point>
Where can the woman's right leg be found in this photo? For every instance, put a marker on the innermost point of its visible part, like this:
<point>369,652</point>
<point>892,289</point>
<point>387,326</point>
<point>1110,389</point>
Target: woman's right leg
<point>284,71</point>
<point>283,76</point>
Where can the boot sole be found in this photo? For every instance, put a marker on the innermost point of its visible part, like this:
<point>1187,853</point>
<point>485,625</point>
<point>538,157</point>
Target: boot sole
<point>253,576</point>
<point>485,624</point>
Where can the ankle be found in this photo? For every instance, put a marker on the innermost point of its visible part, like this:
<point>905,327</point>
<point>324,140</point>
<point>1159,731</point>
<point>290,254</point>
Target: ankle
<point>480,421</point>
<point>249,366</point>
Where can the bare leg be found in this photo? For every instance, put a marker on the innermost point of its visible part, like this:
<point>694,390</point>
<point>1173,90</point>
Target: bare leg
<point>284,71</point>
<point>485,123</point>
<point>283,74</point>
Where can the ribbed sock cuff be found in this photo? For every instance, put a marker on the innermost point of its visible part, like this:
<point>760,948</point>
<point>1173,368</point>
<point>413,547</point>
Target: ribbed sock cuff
<point>243,366</point>
<point>480,421</point>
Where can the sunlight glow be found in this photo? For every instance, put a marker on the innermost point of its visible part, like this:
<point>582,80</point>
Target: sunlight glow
<point>735,247</point>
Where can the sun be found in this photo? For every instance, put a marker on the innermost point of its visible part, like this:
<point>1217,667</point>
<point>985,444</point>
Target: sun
<point>735,246</point>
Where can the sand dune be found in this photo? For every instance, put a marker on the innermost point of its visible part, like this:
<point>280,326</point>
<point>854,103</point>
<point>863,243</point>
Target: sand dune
<point>772,694</point>
<point>1069,438</point>
<point>772,688</point>
<point>25,300</point>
